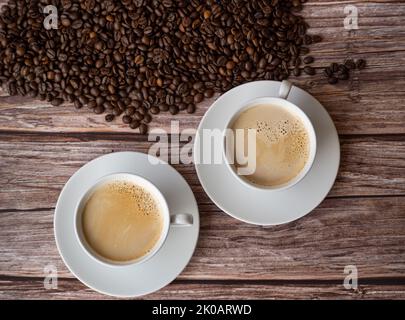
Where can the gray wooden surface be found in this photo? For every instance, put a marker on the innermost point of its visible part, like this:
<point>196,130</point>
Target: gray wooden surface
<point>362,222</point>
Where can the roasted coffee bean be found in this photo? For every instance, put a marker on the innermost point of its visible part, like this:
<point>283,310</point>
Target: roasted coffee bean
<point>350,64</point>
<point>57,102</point>
<point>191,108</point>
<point>147,118</point>
<point>154,110</point>
<point>316,38</point>
<point>308,59</point>
<point>134,124</point>
<point>361,64</point>
<point>182,106</point>
<point>109,117</point>
<point>333,80</point>
<point>136,104</point>
<point>342,68</point>
<point>304,51</point>
<point>98,109</point>
<point>126,119</point>
<point>309,70</point>
<point>143,128</point>
<point>117,112</point>
<point>341,71</point>
<point>334,67</point>
<point>163,107</point>
<point>342,76</point>
<point>65,22</point>
<point>139,116</point>
<point>92,104</point>
<point>130,111</point>
<point>209,93</point>
<point>142,57</point>
<point>173,110</point>
<point>142,110</point>
<point>77,104</point>
<point>198,98</point>
<point>328,72</point>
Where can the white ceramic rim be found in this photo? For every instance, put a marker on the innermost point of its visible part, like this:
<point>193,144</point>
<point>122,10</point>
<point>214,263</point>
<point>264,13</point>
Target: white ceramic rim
<point>130,281</point>
<point>134,179</point>
<point>297,111</point>
<point>264,88</point>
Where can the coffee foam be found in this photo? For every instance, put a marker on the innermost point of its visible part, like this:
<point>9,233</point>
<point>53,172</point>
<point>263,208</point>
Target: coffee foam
<point>142,198</point>
<point>282,143</point>
<point>292,131</point>
<point>122,221</point>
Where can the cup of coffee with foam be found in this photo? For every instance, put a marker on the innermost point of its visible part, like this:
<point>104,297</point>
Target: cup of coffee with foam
<point>270,143</point>
<point>123,219</point>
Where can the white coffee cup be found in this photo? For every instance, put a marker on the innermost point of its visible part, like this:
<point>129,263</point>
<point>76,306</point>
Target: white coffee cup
<point>168,218</point>
<point>281,100</point>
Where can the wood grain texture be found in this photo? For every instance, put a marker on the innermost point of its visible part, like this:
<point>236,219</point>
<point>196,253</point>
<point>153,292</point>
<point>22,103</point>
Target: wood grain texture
<point>369,165</point>
<point>73,289</point>
<point>372,102</point>
<point>362,222</point>
<point>339,232</point>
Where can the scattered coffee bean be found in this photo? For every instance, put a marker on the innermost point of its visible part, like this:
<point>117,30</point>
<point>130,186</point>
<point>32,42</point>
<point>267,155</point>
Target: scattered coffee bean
<point>98,110</point>
<point>336,71</point>
<point>309,70</point>
<point>342,76</point>
<point>308,60</point>
<point>361,64</point>
<point>182,106</point>
<point>174,110</point>
<point>130,111</point>
<point>154,110</point>
<point>126,119</point>
<point>349,63</point>
<point>163,107</point>
<point>147,118</point>
<point>333,80</point>
<point>139,58</point>
<point>316,38</point>
<point>191,108</point>
<point>57,102</point>
<point>198,98</point>
<point>109,117</point>
<point>328,72</point>
<point>209,93</point>
<point>334,67</point>
<point>143,128</point>
<point>134,124</point>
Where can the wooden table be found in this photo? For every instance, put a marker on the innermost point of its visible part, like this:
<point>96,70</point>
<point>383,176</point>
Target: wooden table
<point>361,223</point>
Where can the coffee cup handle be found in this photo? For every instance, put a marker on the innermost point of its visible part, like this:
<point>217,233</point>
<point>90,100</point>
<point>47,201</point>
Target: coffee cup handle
<point>181,219</point>
<point>285,89</point>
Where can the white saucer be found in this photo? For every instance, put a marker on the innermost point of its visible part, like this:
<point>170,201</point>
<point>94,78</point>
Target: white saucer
<point>265,207</point>
<point>151,275</point>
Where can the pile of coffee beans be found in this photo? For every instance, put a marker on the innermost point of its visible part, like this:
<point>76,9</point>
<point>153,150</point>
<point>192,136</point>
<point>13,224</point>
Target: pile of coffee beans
<point>336,71</point>
<point>137,58</point>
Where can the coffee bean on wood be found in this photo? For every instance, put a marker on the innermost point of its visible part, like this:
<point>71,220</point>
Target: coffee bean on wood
<point>336,71</point>
<point>138,58</point>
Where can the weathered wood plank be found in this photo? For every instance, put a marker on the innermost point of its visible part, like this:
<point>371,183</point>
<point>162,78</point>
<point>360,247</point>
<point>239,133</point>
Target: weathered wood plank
<point>368,104</point>
<point>372,102</point>
<point>366,232</point>
<point>34,168</point>
<point>73,289</point>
